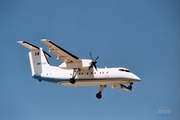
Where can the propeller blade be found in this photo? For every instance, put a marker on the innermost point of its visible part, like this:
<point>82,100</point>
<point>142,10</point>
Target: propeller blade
<point>97,57</point>
<point>91,56</point>
<point>90,66</point>
<point>95,66</point>
<point>93,63</point>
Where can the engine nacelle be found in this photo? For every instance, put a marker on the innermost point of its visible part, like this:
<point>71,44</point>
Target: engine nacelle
<point>83,63</point>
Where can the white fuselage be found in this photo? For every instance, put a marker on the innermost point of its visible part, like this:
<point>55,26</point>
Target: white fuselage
<point>86,77</point>
<point>75,71</point>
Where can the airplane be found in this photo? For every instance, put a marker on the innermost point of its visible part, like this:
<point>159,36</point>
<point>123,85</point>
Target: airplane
<point>74,71</point>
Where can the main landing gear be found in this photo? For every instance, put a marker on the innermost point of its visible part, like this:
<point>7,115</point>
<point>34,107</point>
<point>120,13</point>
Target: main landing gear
<point>101,88</point>
<point>72,80</point>
<point>75,72</point>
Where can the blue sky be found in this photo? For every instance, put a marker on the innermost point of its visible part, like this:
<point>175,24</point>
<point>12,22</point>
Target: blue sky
<point>142,36</point>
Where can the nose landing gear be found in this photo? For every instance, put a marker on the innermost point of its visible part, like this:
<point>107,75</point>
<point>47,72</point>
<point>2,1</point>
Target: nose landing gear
<point>130,86</point>
<point>127,88</point>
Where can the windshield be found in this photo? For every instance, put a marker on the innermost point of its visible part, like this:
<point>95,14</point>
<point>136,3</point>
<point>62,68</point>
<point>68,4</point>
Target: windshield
<point>125,70</point>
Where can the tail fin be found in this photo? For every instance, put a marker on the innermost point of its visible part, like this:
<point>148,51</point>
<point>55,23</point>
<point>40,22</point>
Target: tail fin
<point>37,57</point>
<point>38,62</point>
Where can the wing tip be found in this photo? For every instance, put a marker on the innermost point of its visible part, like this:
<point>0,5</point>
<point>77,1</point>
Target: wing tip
<point>20,42</point>
<point>43,40</point>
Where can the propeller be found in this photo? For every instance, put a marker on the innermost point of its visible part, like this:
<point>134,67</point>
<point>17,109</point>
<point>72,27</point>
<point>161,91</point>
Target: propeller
<point>93,63</point>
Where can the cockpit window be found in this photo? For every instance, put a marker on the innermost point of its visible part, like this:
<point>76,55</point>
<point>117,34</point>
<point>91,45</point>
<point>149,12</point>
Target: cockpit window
<point>121,69</point>
<point>124,70</point>
<point>127,70</point>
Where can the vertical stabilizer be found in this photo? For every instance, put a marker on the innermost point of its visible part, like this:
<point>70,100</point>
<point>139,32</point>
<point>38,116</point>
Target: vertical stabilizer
<point>38,61</point>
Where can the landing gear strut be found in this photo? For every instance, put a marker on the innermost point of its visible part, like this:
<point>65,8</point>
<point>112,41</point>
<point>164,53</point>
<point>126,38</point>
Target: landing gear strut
<point>130,86</point>
<point>127,88</point>
<point>99,95</point>
<point>75,72</point>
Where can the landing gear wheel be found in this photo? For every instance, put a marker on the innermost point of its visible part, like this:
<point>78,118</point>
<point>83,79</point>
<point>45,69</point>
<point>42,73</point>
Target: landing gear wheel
<point>130,86</point>
<point>72,80</point>
<point>99,95</point>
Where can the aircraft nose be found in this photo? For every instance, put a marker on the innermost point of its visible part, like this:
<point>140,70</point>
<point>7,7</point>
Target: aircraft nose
<point>137,78</point>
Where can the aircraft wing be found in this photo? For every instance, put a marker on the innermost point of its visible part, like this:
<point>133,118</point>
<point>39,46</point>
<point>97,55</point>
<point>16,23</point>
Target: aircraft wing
<point>32,47</point>
<point>60,52</point>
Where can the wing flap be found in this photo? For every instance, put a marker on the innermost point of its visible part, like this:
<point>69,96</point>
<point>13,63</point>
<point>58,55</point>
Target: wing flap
<point>60,52</point>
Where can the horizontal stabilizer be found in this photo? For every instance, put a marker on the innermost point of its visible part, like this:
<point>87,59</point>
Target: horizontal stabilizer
<point>32,47</point>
